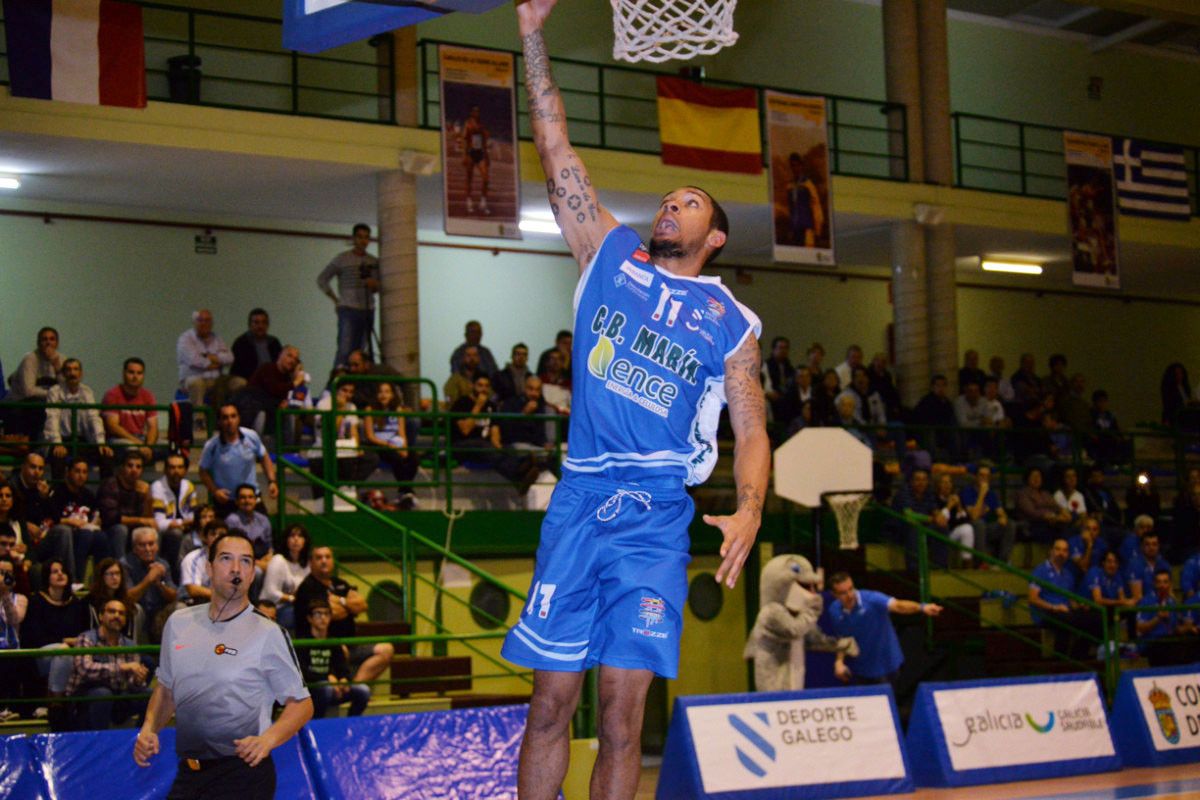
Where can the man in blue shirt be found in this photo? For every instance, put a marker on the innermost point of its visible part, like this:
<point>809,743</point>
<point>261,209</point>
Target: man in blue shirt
<point>1160,620</point>
<point>1087,547</point>
<point>1139,572</point>
<point>1052,607</point>
<point>994,531</point>
<point>228,460</point>
<point>1131,545</point>
<point>1189,579</point>
<point>863,614</point>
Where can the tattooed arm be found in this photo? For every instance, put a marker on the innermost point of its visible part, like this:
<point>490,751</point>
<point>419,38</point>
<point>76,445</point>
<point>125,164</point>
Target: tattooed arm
<point>751,459</point>
<point>584,222</point>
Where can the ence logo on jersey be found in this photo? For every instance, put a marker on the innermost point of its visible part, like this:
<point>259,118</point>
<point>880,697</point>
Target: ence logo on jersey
<point>620,375</point>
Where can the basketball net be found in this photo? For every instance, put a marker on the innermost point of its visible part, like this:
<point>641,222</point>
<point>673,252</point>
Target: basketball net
<point>846,508</point>
<point>660,30</point>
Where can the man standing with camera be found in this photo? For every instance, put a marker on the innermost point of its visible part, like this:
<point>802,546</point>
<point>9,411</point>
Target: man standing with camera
<point>357,273</point>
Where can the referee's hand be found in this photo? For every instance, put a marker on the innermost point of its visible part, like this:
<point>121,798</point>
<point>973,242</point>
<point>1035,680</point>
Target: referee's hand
<point>145,746</point>
<point>252,749</point>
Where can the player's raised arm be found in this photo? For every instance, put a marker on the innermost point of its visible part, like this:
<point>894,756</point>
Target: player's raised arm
<point>584,222</point>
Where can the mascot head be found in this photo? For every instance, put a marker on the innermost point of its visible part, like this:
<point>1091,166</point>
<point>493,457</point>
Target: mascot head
<point>791,581</point>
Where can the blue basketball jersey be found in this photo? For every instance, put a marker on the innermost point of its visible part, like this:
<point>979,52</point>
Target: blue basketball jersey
<point>648,367</point>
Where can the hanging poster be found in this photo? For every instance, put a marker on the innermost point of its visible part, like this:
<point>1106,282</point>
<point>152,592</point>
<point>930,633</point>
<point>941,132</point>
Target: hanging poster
<point>480,186</point>
<point>1091,210</point>
<point>798,145</point>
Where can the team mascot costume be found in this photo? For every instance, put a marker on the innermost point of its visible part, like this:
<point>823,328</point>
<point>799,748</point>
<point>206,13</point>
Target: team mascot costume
<point>789,605</point>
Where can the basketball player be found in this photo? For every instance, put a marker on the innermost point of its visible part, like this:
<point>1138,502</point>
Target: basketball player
<point>805,215</point>
<point>222,666</point>
<point>475,157</point>
<point>659,349</point>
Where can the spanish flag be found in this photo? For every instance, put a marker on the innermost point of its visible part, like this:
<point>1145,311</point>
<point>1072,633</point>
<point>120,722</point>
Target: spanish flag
<point>704,128</point>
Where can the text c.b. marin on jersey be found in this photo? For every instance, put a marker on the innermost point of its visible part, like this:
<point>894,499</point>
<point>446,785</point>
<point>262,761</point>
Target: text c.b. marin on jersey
<point>655,347</point>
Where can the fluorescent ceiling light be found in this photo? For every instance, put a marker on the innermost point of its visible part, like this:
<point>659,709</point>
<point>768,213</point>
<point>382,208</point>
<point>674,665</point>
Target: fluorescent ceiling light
<point>1011,266</point>
<point>538,226</point>
<point>9,182</point>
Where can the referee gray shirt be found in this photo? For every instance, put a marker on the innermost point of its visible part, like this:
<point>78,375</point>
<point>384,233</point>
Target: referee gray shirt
<point>224,676</point>
<point>351,271</point>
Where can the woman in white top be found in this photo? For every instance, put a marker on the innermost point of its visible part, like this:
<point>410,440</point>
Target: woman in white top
<point>1069,498</point>
<point>952,517</point>
<point>285,571</point>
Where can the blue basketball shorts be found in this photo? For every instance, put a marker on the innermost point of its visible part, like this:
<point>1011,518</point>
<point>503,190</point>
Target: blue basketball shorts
<point>610,580</point>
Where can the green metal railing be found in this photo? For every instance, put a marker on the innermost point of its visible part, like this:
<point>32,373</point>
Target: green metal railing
<point>614,107</point>
<point>1013,157</point>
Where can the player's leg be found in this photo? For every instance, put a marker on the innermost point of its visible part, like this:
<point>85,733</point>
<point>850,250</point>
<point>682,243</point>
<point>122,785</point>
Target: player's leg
<point>483,185</point>
<point>622,706</point>
<point>469,168</point>
<point>546,746</point>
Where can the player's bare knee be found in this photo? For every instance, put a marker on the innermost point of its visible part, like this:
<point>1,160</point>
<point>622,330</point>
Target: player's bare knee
<point>385,650</point>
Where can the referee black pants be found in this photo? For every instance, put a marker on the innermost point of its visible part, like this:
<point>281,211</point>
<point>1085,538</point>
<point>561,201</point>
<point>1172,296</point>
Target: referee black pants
<point>223,778</point>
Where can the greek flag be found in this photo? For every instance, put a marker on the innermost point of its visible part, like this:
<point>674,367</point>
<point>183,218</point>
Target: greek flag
<point>1151,179</point>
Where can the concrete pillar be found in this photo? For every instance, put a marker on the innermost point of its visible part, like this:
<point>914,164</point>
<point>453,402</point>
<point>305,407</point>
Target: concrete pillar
<point>909,307</point>
<point>902,71</point>
<point>932,55</point>
<point>396,198</point>
<point>943,302</point>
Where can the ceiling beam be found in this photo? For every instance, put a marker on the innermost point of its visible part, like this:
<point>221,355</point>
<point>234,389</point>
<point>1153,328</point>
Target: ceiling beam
<point>1126,34</point>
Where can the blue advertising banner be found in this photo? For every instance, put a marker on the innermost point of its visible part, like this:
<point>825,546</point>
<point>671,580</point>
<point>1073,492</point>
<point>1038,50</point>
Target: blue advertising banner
<point>1156,716</point>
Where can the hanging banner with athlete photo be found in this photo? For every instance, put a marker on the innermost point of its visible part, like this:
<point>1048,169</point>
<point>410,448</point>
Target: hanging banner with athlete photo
<point>1092,210</point>
<point>798,146</point>
<point>481,189</point>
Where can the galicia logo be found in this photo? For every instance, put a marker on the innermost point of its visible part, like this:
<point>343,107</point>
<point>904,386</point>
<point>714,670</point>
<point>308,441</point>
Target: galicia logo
<point>754,752</point>
<point>1040,728</point>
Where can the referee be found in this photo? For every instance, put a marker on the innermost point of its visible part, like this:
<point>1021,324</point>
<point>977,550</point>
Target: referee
<point>221,668</point>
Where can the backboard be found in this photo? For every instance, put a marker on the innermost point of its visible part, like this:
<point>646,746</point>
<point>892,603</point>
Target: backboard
<point>311,26</point>
<point>820,460</point>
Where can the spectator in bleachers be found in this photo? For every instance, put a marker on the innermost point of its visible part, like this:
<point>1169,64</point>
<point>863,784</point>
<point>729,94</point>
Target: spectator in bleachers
<point>526,434</point>
<point>1036,507</point>
<point>254,524</point>
<point>1176,391</point>
<point>1142,497</point>
<point>824,404</point>
<point>935,408</point>
<point>32,502</point>
<point>473,337</point>
<point>100,676</point>
<point>66,427</point>
<point>255,347</point>
<point>1189,579</point>
<point>129,427</point>
<point>360,363</point>
<point>883,382</point>
<point>54,619</point>
<point>202,356</point>
<point>562,345</point>
<point>1087,547</point>
<point>556,384</point>
<point>915,497</point>
<point>845,370</point>
<point>149,582</point>
<point>994,415</point>
<point>1026,385</point>
<point>326,665</point>
<point>195,582</point>
<point>1053,610</point>
<point>173,501</point>
<point>1102,503</point>
<point>1068,495</point>
<point>1074,410</point>
<point>353,464</point>
<point>1131,543</point>
<point>510,381</point>
<point>389,435</point>
<point>1031,441</point>
<point>31,382</point>
<point>952,519</point>
<point>268,390</point>
<point>193,538</point>
<point>970,372</point>
<point>228,460</point>
<point>799,395</point>
<point>11,527</point>
<point>1104,584</point>
<point>970,411</point>
<point>1185,528</point>
<point>76,515</point>
<point>1108,442</point>
<point>286,570</point>
<point>125,504</point>
<point>847,410</point>
<point>477,438</point>
<point>1139,572</point>
<point>357,273</point>
<point>1057,382</point>
<point>13,606</point>
<point>108,583</point>
<point>367,661</point>
<point>778,374</point>
<point>994,531</point>
<point>462,381</point>
<point>267,609</point>
<point>1158,621</point>
<point>1004,387</point>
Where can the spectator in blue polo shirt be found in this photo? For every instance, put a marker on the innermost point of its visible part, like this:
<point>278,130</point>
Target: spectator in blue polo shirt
<point>994,531</point>
<point>1139,572</point>
<point>228,461</point>
<point>1159,620</point>
<point>863,614</point>
<point>1052,608</point>
<point>1087,547</point>
<point>1189,579</point>
<point>1104,583</point>
<point>1131,545</point>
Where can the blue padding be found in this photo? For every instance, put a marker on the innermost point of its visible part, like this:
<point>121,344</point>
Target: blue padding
<point>930,754</point>
<point>19,776</point>
<point>1176,717</point>
<point>98,765</point>
<point>469,753</point>
<point>293,777</point>
<point>680,777</point>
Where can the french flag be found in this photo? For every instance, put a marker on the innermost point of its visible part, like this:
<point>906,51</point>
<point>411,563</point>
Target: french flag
<point>80,51</point>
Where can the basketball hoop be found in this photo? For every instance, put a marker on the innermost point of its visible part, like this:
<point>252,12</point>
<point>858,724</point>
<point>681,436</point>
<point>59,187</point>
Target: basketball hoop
<point>660,30</point>
<point>846,508</point>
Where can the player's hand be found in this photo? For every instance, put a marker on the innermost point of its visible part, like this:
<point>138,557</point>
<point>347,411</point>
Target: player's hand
<point>253,749</point>
<point>145,746</point>
<point>531,14</point>
<point>841,671</point>
<point>738,531</point>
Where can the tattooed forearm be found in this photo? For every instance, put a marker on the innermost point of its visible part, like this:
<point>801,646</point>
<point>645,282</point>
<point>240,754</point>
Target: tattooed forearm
<point>748,416</point>
<point>545,102</point>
